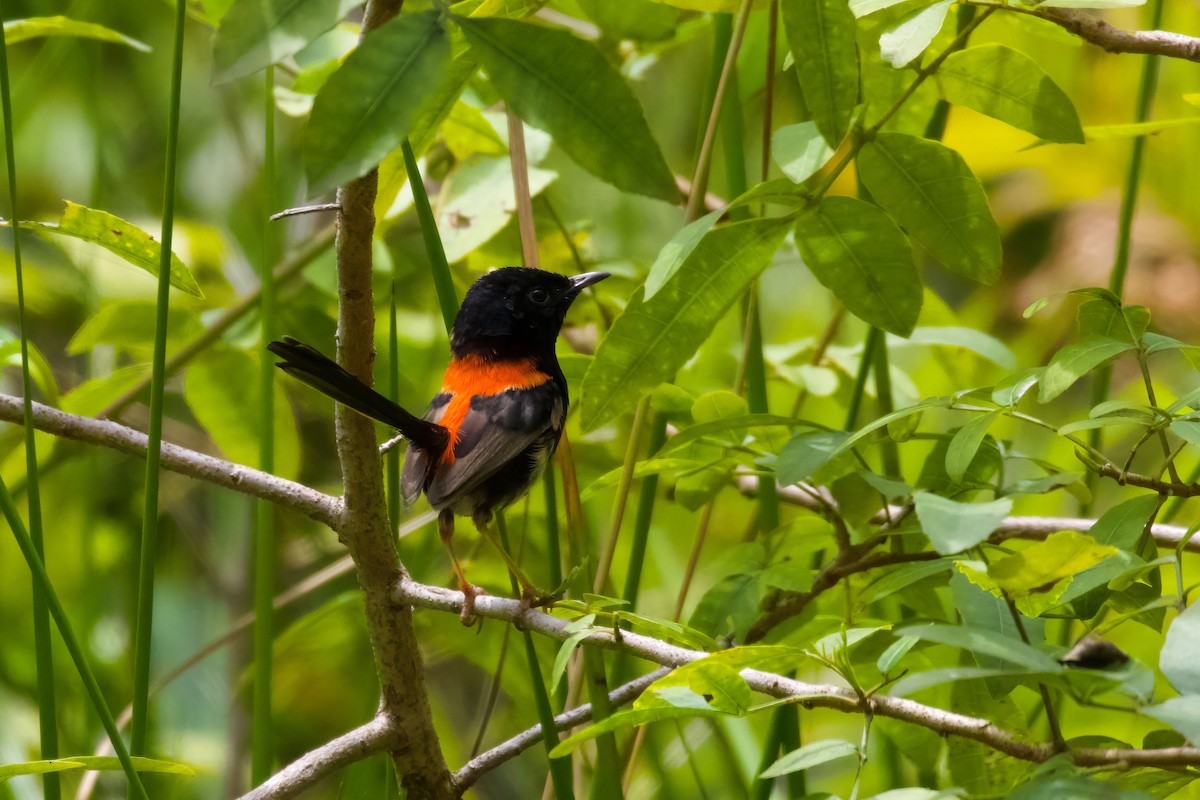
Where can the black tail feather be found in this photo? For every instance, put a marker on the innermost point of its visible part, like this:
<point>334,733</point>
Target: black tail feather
<point>320,372</point>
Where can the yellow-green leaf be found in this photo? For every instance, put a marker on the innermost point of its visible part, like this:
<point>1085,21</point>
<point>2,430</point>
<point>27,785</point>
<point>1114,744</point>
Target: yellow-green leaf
<point>22,30</point>
<point>1039,567</point>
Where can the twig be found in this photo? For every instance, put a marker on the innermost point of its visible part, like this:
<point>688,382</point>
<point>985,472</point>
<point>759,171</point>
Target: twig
<point>1094,30</point>
<point>809,695</point>
<point>376,736</point>
<point>295,212</point>
<point>313,504</point>
<point>505,751</point>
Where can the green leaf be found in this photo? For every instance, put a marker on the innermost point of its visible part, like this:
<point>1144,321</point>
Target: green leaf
<point>582,628</point>
<point>103,763</point>
<point>675,252</point>
<point>256,33</point>
<point>981,610</point>
<point>629,718</point>
<point>810,755</point>
<point>1181,713</point>
<point>901,577</point>
<point>977,342</point>
<point>639,20</point>
<point>693,433</point>
<point>370,105</point>
<point>1010,86</point>
<point>800,150</point>
<point>22,30</point>
<point>1076,787</point>
<point>906,41</point>
<point>930,191</point>
<point>129,327</point>
<point>953,527</point>
<point>1122,525</point>
<point>965,443</point>
<point>566,87</point>
<point>981,641</point>
<point>821,34</point>
<point>806,453</point>
<point>1180,657</point>
<point>1091,3</point>
<point>888,419</point>
<point>221,389</point>
<point>857,252</point>
<point>920,681</point>
<point>652,339</point>
<point>1037,568</point>
<point>478,200</point>
<point>1074,361</point>
<point>119,237</point>
<point>1098,133</point>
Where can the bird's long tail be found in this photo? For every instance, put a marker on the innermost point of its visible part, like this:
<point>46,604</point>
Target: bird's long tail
<point>320,372</point>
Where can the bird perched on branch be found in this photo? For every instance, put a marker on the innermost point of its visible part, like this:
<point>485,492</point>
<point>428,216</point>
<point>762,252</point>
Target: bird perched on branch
<point>497,420</point>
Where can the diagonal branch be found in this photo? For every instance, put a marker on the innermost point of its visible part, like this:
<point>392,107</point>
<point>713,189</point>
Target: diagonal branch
<point>809,695</point>
<point>296,496</point>
<point>1095,30</point>
<point>376,736</point>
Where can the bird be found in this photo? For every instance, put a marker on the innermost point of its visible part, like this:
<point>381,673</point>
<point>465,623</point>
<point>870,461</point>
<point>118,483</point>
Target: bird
<point>497,420</point>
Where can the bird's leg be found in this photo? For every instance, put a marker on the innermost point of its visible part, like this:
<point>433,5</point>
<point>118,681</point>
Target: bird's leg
<point>531,596</point>
<point>469,590</point>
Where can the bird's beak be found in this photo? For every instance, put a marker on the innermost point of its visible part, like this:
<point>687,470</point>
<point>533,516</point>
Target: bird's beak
<point>586,279</point>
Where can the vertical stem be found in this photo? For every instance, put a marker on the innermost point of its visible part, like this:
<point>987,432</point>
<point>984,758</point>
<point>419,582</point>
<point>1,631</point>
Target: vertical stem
<point>520,173</point>
<point>442,281</point>
<point>43,655</point>
<point>860,380</point>
<point>1101,383</point>
<point>393,457</point>
<point>622,499</point>
<point>883,394</point>
<point>644,515</point>
<point>264,533</point>
<point>149,544</point>
<point>553,550</point>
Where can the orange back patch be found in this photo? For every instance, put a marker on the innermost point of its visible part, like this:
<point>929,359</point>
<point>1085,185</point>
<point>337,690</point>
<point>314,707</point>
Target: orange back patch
<point>473,376</point>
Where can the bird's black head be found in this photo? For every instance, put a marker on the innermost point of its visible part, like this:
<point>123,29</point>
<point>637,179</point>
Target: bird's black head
<point>516,312</point>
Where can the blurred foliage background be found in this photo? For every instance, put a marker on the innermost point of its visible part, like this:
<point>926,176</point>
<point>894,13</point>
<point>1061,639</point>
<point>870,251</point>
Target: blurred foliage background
<point>89,121</point>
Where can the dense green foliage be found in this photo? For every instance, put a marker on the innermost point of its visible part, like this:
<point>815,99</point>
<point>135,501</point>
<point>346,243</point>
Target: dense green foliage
<point>854,262</point>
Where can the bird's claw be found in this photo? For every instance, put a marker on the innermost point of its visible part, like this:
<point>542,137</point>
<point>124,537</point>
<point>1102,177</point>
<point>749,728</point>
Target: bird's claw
<point>468,615</point>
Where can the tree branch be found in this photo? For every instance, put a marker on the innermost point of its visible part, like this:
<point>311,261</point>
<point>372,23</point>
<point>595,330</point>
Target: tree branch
<point>376,736</point>
<point>474,769</point>
<point>809,695</point>
<point>1093,29</point>
<point>313,504</point>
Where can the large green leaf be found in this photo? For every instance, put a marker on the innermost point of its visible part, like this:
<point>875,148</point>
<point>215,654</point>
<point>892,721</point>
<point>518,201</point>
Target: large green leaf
<point>981,641</point>
<point>953,527</point>
<point>1010,86</point>
<point>857,252</point>
<point>1074,361</point>
<point>821,35</point>
<point>1181,713</point>
<point>677,250</point>
<point>1180,657</point>
<point>221,389</point>
<point>806,453</point>
<point>256,33</point>
<point>120,237</point>
<point>1122,525</point>
<point>21,30</point>
<point>369,106</point>
<point>652,339</point>
<point>478,200</point>
<point>930,191</point>
<point>640,20</point>
<point>1037,568</point>
<point>566,87</point>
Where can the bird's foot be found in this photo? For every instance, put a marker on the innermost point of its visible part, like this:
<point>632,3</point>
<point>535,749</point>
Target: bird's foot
<point>533,597</point>
<point>467,615</point>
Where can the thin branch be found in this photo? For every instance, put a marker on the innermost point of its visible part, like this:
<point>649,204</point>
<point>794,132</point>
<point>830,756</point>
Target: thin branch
<point>809,695</point>
<point>1095,30</point>
<point>300,210</point>
<point>376,736</point>
<point>474,769</point>
<point>323,508</point>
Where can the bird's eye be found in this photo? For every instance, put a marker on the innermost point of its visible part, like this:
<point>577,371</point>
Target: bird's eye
<point>539,296</point>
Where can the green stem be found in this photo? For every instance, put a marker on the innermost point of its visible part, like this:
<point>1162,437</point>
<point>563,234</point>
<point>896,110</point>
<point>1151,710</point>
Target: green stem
<point>43,655</point>
<point>560,768</point>
<point>42,579</point>
<point>761,789</point>
<point>442,281</point>
<point>264,533</point>
<point>1133,177</point>
<point>149,545</point>
<point>860,379</point>
<point>393,455</point>
<point>553,550</point>
<point>883,394</point>
<point>622,498</point>
<point>645,514</point>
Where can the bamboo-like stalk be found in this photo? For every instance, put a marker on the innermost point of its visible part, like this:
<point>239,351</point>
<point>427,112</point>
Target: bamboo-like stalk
<point>438,266</point>
<point>149,542</point>
<point>261,736</point>
<point>42,579</point>
<point>43,655</point>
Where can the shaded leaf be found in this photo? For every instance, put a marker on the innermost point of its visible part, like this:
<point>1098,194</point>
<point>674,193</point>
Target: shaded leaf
<point>821,35</point>
<point>369,106</point>
<point>565,86</point>
<point>963,446</point>
<point>1181,713</point>
<point>1074,361</point>
<point>652,339</point>
<point>977,342</point>
<point>810,755</point>
<point>121,238</point>
<point>256,33</point>
<point>806,453</point>
<point>1010,86</point>
<point>104,763</point>
<point>1180,657</point>
<point>857,252</point>
<point>953,527</point>
<point>930,191</point>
